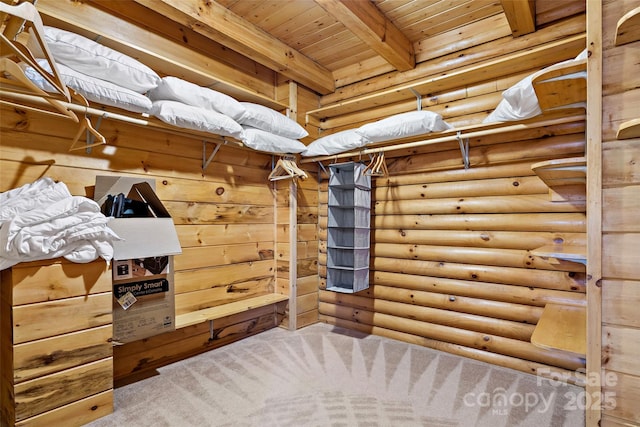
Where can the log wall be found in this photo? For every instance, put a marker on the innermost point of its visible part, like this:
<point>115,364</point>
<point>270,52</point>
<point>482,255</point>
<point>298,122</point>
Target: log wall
<point>451,249</point>
<point>620,223</point>
<point>451,261</point>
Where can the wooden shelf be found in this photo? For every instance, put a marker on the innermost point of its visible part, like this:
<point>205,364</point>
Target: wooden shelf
<point>562,327</point>
<point>562,85</point>
<point>629,129</point>
<point>540,56</point>
<point>224,310</point>
<point>558,117</point>
<point>564,252</point>
<point>628,28</point>
<point>164,56</point>
<point>558,172</point>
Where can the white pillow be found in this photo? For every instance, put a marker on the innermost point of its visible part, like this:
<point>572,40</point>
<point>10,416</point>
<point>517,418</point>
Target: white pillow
<point>261,140</point>
<point>190,117</point>
<point>505,112</point>
<point>88,57</point>
<point>267,119</point>
<point>335,143</point>
<point>175,89</point>
<point>95,90</point>
<point>403,125</point>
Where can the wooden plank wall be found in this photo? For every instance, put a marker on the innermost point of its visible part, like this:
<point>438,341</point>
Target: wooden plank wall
<point>620,223</point>
<point>51,370</point>
<point>224,217</point>
<point>451,266</point>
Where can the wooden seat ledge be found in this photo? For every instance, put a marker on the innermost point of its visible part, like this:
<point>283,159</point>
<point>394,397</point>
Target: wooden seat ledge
<point>562,327</point>
<point>224,310</point>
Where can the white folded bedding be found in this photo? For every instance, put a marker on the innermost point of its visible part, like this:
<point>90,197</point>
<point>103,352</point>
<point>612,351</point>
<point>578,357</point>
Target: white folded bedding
<point>43,220</point>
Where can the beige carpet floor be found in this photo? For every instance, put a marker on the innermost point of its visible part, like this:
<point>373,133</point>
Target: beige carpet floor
<point>327,376</point>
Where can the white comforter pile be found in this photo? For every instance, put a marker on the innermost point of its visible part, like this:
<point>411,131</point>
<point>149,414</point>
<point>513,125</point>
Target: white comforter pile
<point>42,220</point>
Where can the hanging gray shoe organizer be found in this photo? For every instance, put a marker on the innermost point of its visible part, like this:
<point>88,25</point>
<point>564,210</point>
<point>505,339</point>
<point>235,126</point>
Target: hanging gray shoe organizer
<point>348,228</point>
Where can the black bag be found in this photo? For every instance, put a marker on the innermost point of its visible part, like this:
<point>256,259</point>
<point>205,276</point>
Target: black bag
<point>121,207</point>
<point>156,265</point>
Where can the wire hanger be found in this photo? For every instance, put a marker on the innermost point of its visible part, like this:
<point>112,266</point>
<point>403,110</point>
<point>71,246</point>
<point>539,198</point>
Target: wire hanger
<point>24,22</point>
<point>286,168</point>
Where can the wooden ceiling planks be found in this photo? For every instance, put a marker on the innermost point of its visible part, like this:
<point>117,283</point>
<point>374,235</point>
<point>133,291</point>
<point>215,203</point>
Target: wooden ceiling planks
<point>371,26</point>
<point>224,26</point>
<point>396,9</point>
<point>318,46</point>
<point>458,15</point>
<point>312,31</point>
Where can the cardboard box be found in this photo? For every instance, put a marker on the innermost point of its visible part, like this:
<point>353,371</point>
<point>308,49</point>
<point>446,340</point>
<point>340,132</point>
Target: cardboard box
<point>143,290</point>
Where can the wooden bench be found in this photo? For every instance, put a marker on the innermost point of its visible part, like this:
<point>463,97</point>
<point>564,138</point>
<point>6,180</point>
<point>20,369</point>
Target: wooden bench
<point>559,172</point>
<point>212,313</point>
<point>566,178</point>
<point>562,327</point>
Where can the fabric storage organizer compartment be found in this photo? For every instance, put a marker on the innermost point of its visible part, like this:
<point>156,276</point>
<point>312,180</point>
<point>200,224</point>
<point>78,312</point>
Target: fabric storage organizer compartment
<point>348,237</point>
<point>348,257</point>
<point>347,280</point>
<point>349,219</point>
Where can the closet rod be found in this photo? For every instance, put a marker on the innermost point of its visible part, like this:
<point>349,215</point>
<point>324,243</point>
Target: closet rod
<point>36,100</point>
<point>32,99</point>
<point>451,138</point>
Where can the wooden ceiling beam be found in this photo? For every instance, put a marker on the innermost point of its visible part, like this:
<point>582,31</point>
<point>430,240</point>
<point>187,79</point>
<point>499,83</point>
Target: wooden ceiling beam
<point>219,24</point>
<point>521,15</point>
<point>369,24</point>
